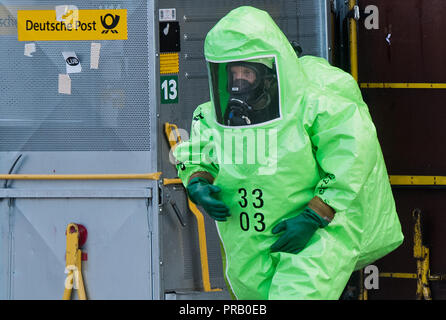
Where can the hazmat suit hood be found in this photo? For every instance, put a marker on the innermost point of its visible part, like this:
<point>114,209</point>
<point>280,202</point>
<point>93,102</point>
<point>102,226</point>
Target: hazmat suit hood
<point>247,33</point>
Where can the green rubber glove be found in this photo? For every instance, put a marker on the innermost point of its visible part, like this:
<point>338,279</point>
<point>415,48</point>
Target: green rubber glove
<point>297,231</point>
<point>201,192</point>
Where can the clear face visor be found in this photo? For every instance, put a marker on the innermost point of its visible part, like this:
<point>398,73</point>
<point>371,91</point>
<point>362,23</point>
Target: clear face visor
<point>245,92</point>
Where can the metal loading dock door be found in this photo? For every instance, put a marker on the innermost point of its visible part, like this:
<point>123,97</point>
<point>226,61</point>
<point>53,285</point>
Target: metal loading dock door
<point>401,73</point>
<point>35,250</point>
<point>112,123</point>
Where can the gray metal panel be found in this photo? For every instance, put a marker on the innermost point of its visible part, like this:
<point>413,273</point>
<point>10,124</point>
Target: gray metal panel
<point>118,247</point>
<point>30,221</point>
<point>181,259</point>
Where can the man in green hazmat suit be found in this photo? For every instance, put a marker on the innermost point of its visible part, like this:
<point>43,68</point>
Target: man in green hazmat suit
<point>286,159</point>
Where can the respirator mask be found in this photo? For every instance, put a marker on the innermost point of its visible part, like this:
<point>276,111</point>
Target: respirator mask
<point>250,92</point>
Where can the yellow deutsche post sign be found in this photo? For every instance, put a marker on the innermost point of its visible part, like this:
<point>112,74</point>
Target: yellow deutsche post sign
<point>43,25</point>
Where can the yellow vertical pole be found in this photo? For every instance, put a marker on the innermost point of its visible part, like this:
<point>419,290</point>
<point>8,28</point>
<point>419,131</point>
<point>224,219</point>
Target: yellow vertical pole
<point>362,290</point>
<point>353,42</point>
<point>203,247</point>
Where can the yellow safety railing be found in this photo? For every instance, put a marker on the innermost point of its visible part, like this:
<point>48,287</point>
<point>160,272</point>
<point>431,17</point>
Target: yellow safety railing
<point>172,134</point>
<point>203,247</point>
<point>173,137</point>
<point>171,181</point>
<point>417,180</point>
<point>146,176</point>
<point>398,85</point>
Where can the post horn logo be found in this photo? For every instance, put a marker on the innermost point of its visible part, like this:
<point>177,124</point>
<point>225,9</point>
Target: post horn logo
<point>110,27</point>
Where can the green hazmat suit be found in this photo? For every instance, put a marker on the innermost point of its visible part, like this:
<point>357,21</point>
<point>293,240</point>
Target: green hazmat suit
<point>323,144</point>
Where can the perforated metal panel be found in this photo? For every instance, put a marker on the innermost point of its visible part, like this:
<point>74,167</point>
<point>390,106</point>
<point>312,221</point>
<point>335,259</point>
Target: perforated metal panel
<point>109,107</point>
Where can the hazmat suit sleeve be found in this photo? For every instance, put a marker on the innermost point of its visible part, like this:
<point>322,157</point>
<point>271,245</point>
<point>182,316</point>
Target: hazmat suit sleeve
<point>196,155</point>
<point>344,143</point>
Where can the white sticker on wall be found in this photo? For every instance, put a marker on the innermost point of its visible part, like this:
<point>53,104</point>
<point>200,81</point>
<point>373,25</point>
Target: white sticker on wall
<point>64,84</point>
<point>94,55</point>
<point>30,48</point>
<point>167,14</point>
<point>72,62</point>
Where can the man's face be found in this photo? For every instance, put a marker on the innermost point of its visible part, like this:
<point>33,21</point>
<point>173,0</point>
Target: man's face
<point>243,73</point>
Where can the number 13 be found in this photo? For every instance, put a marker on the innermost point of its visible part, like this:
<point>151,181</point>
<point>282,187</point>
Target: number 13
<point>169,89</point>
